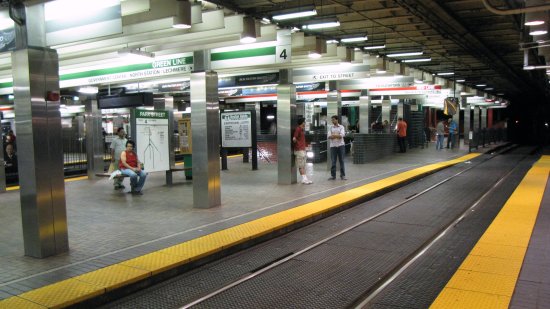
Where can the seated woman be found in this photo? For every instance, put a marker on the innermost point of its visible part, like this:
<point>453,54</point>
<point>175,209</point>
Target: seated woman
<point>129,165</point>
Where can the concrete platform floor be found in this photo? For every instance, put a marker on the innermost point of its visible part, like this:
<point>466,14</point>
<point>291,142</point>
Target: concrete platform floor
<point>108,226</point>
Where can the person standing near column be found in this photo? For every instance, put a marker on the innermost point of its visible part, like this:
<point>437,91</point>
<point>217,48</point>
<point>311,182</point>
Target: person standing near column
<point>336,133</point>
<point>401,134</point>
<point>452,133</point>
<point>299,140</point>
<point>440,135</point>
<point>118,145</point>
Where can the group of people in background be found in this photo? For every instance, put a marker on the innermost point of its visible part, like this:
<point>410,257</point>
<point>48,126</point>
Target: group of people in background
<point>452,127</point>
<point>10,156</point>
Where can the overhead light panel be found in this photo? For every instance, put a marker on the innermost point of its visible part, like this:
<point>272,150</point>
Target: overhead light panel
<point>284,15</point>
<point>417,60</point>
<point>374,47</point>
<point>460,80</point>
<point>445,73</point>
<point>354,39</point>
<point>88,90</point>
<point>405,54</point>
<point>535,18</point>
<point>135,53</point>
<point>332,42</point>
<point>481,85</point>
<point>182,20</point>
<point>538,30</point>
<point>321,24</point>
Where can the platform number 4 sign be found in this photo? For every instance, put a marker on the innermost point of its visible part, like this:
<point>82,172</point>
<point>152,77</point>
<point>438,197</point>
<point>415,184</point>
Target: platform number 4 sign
<point>283,54</point>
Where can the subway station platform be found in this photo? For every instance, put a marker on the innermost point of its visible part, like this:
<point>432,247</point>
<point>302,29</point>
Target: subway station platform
<point>111,229</point>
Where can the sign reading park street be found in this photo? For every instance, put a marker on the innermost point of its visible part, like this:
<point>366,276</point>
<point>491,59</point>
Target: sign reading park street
<point>152,139</point>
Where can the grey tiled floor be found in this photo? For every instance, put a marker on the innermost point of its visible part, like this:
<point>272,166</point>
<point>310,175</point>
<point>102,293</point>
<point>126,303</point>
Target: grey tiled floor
<point>107,226</point>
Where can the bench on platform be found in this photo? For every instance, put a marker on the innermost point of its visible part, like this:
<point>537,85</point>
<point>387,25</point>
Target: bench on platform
<point>176,169</point>
<point>109,175</point>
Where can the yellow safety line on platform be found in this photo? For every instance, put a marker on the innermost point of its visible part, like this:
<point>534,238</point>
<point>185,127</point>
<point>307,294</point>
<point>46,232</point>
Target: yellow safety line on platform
<point>89,285</point>
<point>66,180</point>
<point>487,277</point>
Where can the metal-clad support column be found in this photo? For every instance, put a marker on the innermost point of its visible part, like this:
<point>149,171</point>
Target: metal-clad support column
<point>40,151</point>
<point>386,109</point>
<point>467,123</point>
<point>334,107</point>
<point>364,108</point>
<point>483,119</point>
<point>205,125</point>
<point>2,169</point>
<point>94,138</point>
<point>286,118</point>
<point>476,119</point>
<point>400,110</point>
<point>168,105</point>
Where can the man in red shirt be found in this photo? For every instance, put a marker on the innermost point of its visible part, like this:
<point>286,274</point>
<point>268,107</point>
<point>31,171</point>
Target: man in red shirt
<point>401,134</point>
<point>130,166</point>
<point>299,140</point>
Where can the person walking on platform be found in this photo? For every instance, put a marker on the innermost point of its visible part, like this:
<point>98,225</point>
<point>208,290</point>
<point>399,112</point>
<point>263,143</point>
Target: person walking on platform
<point>118,145</point>
<point>401,131</point>
<point>452,133</point>
<point>440,135</point>
<point>299,140</point>
<point>130,166</point>
<point>336,133</point>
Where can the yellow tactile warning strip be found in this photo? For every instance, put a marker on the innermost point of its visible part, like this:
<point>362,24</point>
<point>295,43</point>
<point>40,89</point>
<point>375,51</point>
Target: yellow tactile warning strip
<point>97,282</point>
<point>66,180</point>
<point>488,275</point>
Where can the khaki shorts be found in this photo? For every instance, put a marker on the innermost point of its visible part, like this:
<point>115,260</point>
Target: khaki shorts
<point>300,158</point>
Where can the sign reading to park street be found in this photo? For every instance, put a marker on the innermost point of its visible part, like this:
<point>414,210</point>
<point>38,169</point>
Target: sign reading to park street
<point>236,129</point>
<point>152,138</point>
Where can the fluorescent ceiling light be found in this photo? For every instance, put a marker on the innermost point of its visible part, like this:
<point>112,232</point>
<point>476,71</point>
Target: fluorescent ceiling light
<point>538,32</point>
<point>460,80</point>
<point>355,39</point>
<point>534,23</point>
<point>330,24</point>
<point>417,60</point>
<point>314,55</point>
<point>488,89</point>
<point>307,13</point>
<point>332,42</point>
<point>445,73</point>
<point>88,90</point>
<point>481,85</point>
<point>405,54</point>
<point>247,39</point>
<point>135,53</point>
<point>375,47</point>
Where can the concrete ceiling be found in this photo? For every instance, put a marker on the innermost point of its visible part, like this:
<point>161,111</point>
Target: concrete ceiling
<point>461,36</point>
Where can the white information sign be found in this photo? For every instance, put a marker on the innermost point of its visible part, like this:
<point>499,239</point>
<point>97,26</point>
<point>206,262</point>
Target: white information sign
<point>152,139</point>
<point>236,129</point>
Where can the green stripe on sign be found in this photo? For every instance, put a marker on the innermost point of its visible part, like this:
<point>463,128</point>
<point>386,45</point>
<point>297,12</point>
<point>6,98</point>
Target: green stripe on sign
<point>6,85</point>
<point>265,51</point>
<point>93,73</point>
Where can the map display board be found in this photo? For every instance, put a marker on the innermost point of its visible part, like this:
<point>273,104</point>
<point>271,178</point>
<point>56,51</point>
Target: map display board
<point>236,129</point>
<point>152,136</point>
<point>186,139</point>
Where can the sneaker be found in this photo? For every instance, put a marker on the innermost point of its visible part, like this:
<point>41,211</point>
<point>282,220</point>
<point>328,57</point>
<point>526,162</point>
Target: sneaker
<point>119,187</point>
<point>307,182</point>
<point>137,193</point>
<point>332,178</point>
<point>343,178</point>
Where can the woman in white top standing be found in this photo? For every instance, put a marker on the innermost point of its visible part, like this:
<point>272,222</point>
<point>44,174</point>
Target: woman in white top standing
<point>335,135</point>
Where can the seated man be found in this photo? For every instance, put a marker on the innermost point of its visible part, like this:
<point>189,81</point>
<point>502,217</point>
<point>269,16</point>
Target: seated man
<point>129,165</point>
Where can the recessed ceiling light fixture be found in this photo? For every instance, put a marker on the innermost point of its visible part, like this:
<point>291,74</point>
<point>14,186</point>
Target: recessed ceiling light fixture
<point>417,60</point>
<point>405,54</point>
<point>374,47</point>
<point>291,14</point>
<point>354,39</point>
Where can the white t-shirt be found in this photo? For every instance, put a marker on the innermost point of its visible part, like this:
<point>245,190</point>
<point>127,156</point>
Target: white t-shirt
<point>118,145</point>
<point>336,142</point>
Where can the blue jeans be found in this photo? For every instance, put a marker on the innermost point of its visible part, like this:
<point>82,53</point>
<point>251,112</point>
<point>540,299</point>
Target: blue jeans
<point>439,141</point>
<point>334,153</point>
<point>136,184</point>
